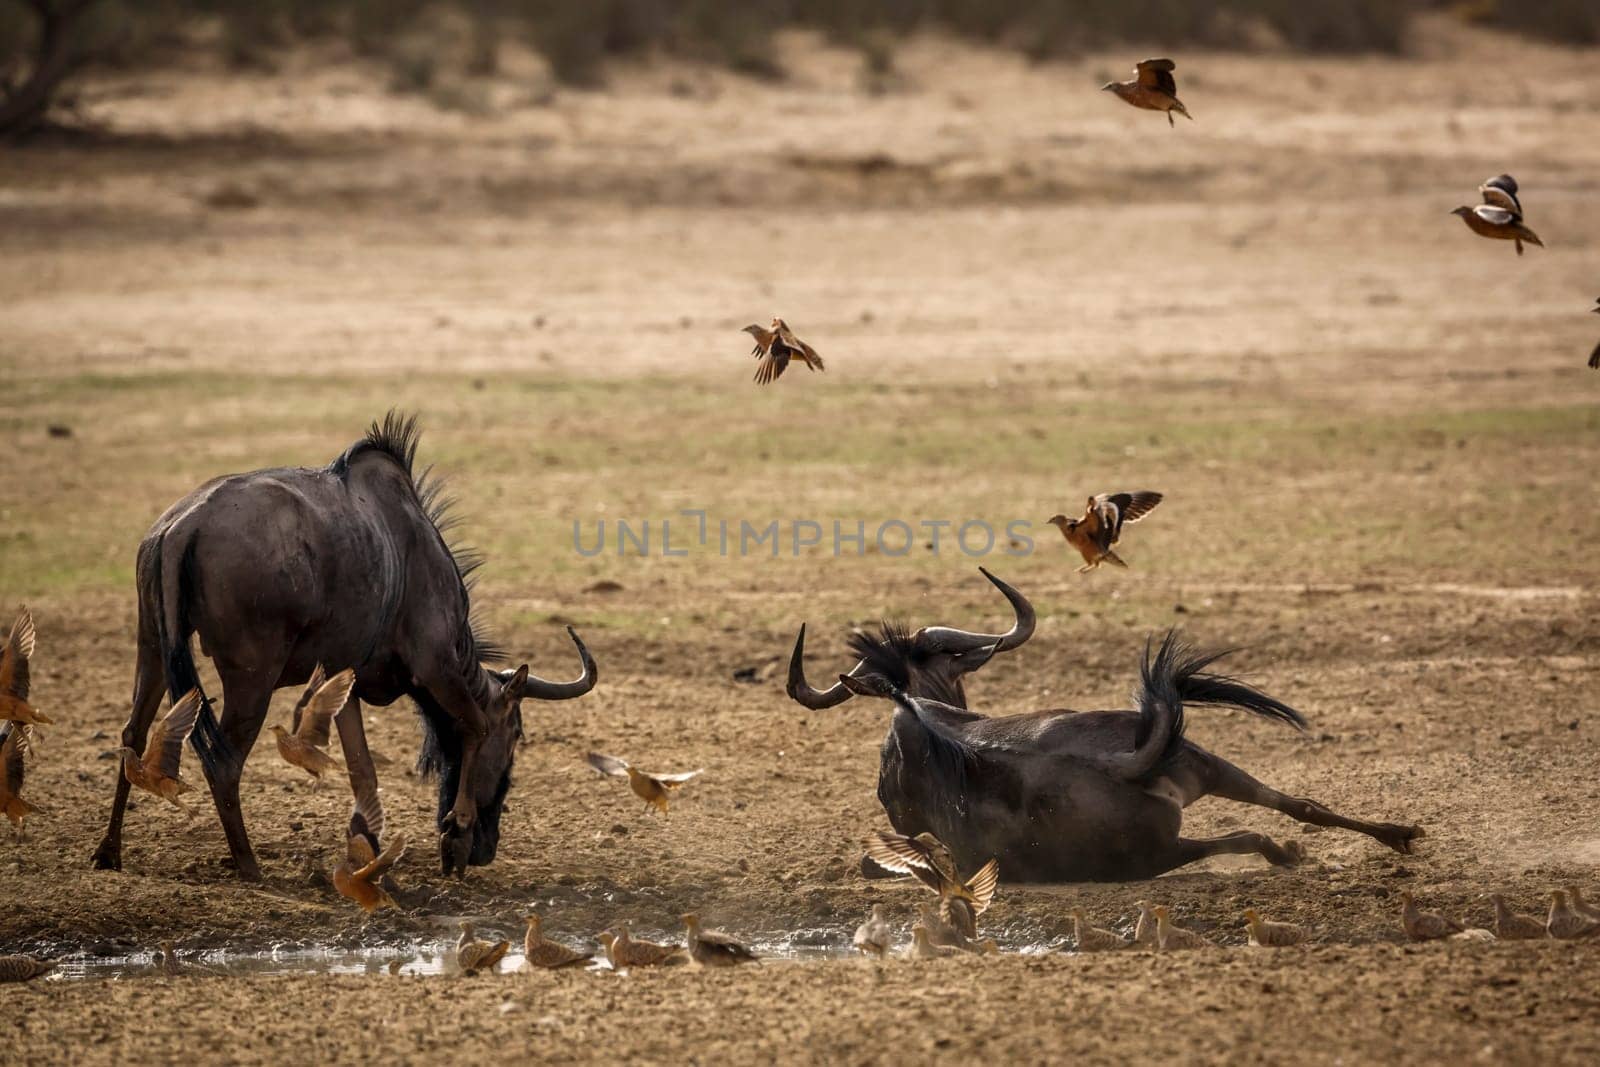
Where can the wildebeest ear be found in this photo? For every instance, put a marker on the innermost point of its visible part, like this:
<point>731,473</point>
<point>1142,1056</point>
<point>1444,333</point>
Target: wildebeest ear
<point>514,684</point>
<point>867,685</point>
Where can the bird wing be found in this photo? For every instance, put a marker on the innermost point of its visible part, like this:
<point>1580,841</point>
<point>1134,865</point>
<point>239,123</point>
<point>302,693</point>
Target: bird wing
<point>164,751</point>
<point>982,886</point>
<point>1131,507</point>
<point>763,337</point>
<point>1499,216</point>
<point>318,676</point>
<point>359,851</point>
<point>1594,358</point>
<point>12,750</point>
<point>809,354</point>
<point>1157,74</point>
<point>323,705</point>
<point>894,852</point>
<point>386,859</point>
<point>772,366</point>
<point>677,779</point>
<point>1501,190</point>
<point>610,766</point>
<point>367,818</point>
<point>14,657</point>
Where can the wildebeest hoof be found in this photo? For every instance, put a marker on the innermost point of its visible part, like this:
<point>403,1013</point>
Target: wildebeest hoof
<point>1290,854</point>
<point>1401,838</point>
<point>107,857</point>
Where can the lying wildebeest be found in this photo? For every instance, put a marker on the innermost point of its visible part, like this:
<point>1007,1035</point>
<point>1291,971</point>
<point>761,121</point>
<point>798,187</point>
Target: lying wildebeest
<point>937,658</point>
<point>279,570</point>
<point>1062,796</point>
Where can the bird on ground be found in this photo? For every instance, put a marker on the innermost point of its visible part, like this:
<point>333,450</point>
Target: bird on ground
<point>157,770</point>
<point>623,951</point>
<point>1264,934</point>
<point>1579,905</point>
<point>1153,88</point>
<point>873,937</point>
<point>473,955</point>
<point>1565,923</point>
<point>941,932</point>
<point>1092,938</point>
<point>1424,925</point>
<point>19,968</point>
<point>169,960</point>
<point>1510,926</point>
<point>1144,930</point>
<point>1473,933</point>
<point>305,744</point>
<point>15,747</point>
<point>1500,214</point>
<point>358,876</point>
<point>1170,938</point>
<point>930,861</point>
<point>653,789</point>
<point>921,948</point>
<point>775,347</point>
<point>713,948</point>
<point>548,955</point>
<point>14,657</point>
<point>1594,357</point>
<point>1104,516</point>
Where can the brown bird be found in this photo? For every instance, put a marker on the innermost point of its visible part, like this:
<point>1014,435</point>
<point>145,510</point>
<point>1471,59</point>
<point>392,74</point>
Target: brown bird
<point>1170,938</point>
<point>1272,935</point>
<point>14,746</point>
<point>873,937</point>
<point>1101,526</point>
<point>930,861</point>
<point>1510,926</point>
<point>548,955</point>
<point>1424,925</point>
<point>623,951</point>
<point>1500,214</point>
<point>653,789</point>
<point>19,968</point>
<point>14,657</point>
<point>306,746</point>
<point>941,932</point>
<point>1565,923</point>
<point>1580,905</point>
<point>1594,357</point>
<point>1153,88</point>
<point>775,347</point>
<point>357,876</point>
<point>169,960</point>
<point>157,770</point>
<point>713,948</point>
<point>473,955</point>
<point>1092,938</point>
<point>1144,931</point>
<point>921,948</point>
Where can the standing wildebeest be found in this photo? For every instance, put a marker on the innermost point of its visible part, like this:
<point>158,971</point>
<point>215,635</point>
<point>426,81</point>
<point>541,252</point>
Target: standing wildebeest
<point>279,570</point>
<point>1062,796</point>
<point>937,658</point>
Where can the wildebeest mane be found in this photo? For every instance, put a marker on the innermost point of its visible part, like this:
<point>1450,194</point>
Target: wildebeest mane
<point>888,654</point>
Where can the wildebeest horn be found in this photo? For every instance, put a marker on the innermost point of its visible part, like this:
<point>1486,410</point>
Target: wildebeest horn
<point>540,689</point>
<point>800,690</point>
<point>949,639</point>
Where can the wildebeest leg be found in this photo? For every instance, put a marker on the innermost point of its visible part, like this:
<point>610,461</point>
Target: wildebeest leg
<point>149,683</point>
<point>1243,843</point>
<point>245,696</point>
<point>1229,782</point>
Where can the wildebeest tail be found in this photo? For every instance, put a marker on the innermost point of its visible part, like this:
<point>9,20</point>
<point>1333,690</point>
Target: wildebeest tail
<point>172,572</point>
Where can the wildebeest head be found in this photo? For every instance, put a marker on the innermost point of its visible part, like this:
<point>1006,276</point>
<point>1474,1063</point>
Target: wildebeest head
<point>933,659</point>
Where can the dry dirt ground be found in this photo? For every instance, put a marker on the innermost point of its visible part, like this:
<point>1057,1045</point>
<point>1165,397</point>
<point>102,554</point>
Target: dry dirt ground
<point>1376,432</point>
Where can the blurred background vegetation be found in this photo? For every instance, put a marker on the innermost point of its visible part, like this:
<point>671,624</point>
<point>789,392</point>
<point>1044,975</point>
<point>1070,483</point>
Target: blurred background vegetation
<point>45,43</point>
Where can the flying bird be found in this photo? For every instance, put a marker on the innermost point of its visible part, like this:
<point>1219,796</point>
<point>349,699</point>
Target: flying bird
<point>1170,938</point>
<point>1566,923</point>
<point>1153,88</point>
<point>157,770</point>
<point>357,877</point>
<point>1510,926</point>
<point>14,657</point>
<point>14,748</point>
<point>1424,925</point>
<point>20,968</point>
<point>713,948</point>
<point>1500,214</point>
<point>305,744</point>
<point>1264,934</point>
<point>653,789</point>
<point>623,951</point>
<point>930,861</point>
<point>548,955</point>
<point>775,347</point>
<point>873,937</point>
<point>1088,938</point>
<point>1104,516</point>
<point>473,955</point>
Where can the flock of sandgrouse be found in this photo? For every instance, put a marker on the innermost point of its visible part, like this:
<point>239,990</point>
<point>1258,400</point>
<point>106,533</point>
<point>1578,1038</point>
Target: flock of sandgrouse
<point>948,928</point>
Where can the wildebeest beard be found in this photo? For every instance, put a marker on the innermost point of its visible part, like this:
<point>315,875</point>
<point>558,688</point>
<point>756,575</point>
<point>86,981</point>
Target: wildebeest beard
<point>440,758</point>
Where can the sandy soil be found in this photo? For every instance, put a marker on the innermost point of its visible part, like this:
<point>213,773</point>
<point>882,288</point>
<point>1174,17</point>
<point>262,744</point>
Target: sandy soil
<point>1377,435</point>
